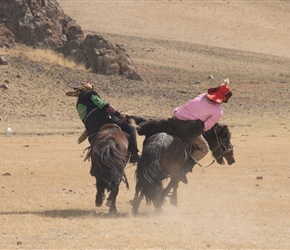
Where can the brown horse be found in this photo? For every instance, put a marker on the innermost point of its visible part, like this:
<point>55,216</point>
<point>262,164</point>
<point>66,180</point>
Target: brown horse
<point>109,156</point>
<point>164,155</point>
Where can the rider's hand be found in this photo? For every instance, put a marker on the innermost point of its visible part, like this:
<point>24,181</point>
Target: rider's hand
<point>122,117</point>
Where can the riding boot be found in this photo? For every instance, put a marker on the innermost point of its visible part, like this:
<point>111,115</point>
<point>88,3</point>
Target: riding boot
<point>187,168</point>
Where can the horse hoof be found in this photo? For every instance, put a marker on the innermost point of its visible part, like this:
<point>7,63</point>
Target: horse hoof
<point>113,211</point>
<point>99,200</point>
<point>108,203</point>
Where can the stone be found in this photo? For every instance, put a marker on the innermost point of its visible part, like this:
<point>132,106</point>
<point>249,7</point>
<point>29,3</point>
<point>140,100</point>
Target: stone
<point>3,60</point>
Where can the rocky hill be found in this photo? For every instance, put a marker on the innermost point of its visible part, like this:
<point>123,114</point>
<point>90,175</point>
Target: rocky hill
<point>43,24</point>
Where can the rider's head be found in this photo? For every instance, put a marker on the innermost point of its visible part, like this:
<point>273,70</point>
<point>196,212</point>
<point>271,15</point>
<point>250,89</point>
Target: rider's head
<point>220,94</point>
<point>84,86</point>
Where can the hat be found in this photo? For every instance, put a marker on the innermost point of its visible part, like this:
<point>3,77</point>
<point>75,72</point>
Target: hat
<point>84,86</point>
<point>220,94</point>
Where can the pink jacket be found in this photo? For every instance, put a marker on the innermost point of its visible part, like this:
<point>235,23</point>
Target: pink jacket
<point>200,108</point>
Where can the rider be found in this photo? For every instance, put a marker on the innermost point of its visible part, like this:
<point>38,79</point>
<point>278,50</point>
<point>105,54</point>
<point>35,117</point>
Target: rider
<point>207,108</point>
<point>95,112</point>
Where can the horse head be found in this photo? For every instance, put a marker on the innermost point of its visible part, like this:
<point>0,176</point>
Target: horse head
<point>219,140</point>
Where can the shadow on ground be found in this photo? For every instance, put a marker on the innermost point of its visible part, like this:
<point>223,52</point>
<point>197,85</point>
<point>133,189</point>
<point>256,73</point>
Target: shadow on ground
<point>69,213</point>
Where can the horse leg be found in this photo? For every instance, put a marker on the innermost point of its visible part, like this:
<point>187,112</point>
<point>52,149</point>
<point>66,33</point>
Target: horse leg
<point>111,201</point>
<point>158,207</point>
<point>167,189</point>
<point>173,197</point>
<point>136,203</point>
<point>100,196</point>
<point>137,199</point>
<point>158,200</point>
<point>137,191</point>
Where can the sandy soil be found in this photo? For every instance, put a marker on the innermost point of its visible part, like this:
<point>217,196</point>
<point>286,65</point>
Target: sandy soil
<point>47,194</point>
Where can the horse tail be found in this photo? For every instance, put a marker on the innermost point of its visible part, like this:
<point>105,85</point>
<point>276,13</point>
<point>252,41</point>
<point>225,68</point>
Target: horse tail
<point>148,174</point>
<point>111,155</point>
<point>113,160</point>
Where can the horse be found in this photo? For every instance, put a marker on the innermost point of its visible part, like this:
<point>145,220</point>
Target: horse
<point>109,156</point>
<point>165,154</point>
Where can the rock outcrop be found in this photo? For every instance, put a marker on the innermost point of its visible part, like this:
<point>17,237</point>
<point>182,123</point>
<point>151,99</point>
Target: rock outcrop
<point>7,38</point>
<point>42,23</point>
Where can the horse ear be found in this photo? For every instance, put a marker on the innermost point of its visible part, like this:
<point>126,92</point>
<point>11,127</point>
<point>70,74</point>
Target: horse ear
<point>224,130</point>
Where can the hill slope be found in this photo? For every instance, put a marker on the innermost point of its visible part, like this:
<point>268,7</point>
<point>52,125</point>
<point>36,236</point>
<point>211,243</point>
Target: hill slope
<point>175,46</point>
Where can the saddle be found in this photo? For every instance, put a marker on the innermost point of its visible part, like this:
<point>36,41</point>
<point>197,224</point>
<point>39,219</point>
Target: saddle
<point>85,135</point>
<point>110,126</point>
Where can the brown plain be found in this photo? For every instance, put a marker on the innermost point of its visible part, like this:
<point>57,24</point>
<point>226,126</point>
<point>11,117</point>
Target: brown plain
<point>46,192</point>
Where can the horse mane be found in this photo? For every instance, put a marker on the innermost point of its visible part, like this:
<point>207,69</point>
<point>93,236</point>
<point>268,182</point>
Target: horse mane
<point>220,128</point>
<point>185,130</point>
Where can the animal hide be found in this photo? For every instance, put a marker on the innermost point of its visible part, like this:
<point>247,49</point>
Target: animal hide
<point>185,130</point>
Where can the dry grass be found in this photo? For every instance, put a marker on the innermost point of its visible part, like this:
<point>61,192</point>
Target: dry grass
<point>43,56</point>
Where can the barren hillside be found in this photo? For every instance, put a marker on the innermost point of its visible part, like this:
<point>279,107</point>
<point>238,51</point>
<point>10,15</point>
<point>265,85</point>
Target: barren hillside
<point>175,46</point>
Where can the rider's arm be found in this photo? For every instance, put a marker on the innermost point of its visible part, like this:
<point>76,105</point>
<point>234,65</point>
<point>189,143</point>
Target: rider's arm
<point>212,120</point>
<point>101,104</point>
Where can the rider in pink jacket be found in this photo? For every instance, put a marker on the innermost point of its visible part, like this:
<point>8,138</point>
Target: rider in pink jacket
<point>200,108</point>
<point>207,108</point>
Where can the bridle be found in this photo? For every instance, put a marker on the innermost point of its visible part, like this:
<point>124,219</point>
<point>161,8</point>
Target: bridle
<point>220,145</point>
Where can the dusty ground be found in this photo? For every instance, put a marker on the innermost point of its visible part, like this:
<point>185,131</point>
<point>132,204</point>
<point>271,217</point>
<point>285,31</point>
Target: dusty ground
<point>47,194</point>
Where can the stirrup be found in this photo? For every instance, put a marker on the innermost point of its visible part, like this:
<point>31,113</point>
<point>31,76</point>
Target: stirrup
<point>110,126</point>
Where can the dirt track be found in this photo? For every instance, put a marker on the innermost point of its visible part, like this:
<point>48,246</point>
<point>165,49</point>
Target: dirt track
<point>47,201</point>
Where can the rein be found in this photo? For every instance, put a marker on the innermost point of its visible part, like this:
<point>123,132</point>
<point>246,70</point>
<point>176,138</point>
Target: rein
<point>202,168</point>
